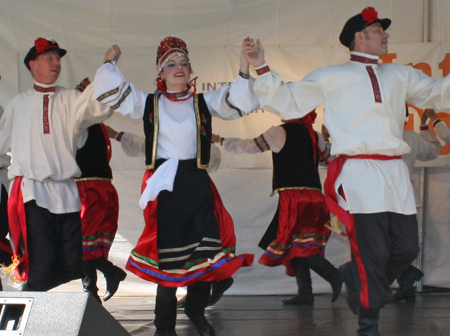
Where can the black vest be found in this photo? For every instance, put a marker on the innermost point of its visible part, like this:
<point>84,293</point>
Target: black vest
<point>294,165</point>
<point>92,158</point>
<point>151,129</point>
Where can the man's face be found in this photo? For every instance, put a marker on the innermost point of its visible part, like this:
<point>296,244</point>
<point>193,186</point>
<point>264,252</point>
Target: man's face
<point>375,40</point>
<point>46,67</point>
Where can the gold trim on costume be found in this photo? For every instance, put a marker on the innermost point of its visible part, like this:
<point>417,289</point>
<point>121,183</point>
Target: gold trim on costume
<point>108,94</point>
<point>199,130</point>
<point>124,96</point>
<point>155,131</point>
<point>293,188</point>
<point>93,179</point>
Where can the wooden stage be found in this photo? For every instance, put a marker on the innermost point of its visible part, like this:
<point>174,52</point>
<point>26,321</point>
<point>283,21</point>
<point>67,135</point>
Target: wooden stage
<point>266,315</point>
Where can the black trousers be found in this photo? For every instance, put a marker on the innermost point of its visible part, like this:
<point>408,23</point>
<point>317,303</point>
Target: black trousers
<point>54,247</point>
<point>166,303</point>
<point>386,244</point>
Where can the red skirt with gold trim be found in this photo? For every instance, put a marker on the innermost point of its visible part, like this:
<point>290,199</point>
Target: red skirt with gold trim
<point>298,228</point>
<point>99,217</point>
<point>195,257</point>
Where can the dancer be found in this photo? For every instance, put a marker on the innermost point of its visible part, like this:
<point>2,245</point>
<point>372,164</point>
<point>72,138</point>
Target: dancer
<point>297,235</point>
<point>189,237</point>
<point>99,210</point>
<point>134,145</point>
<point>40,127</point>
<point>368,185</point>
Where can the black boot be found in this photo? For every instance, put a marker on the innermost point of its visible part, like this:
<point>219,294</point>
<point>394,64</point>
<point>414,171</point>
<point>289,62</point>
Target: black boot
<point>303,276</point>
<point>326,270</point>
<point>368,322</point>
<point>89,279</point>
<point>113,275</point>
<point>196,301</point>
<point>353,300</point>
<point>406,290</point>
<point>218,288</point>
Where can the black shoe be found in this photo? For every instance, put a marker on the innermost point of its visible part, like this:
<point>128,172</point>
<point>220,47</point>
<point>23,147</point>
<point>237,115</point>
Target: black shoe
<point>218,288</point>
<point>305,298</point>
<point>165,333</point>
<point>112,283</point>
<point>326,270</point>
<point>406,290</point>
<point>181,303</point>
<point>352,294</point>
<point>368,322</point>
<point>200,322</point>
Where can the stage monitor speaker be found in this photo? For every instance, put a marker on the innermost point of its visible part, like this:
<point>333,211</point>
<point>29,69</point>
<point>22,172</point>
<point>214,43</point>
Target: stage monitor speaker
<point>55,314</point>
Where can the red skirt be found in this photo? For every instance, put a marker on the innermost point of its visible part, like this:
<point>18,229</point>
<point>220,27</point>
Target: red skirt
<point>144,258</point>
<point>301,218</point>
<point>99,217</point>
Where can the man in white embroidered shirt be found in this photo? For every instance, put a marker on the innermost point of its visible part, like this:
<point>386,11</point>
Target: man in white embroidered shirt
<point>368,185</point>
<point>40,127</point>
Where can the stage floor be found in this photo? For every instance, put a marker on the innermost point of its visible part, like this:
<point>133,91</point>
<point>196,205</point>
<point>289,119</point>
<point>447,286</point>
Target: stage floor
<point>266,315</point>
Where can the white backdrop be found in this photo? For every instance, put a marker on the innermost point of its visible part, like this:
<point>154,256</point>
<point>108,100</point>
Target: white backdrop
<point>298,36</point>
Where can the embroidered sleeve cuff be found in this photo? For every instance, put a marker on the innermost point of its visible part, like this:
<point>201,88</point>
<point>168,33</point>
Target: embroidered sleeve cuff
<point>244,75</point>
<point>119,136</point>
<point>109,61</point>
<point>221,141</point>
<point>437,121</point>
<point>262,69</point>
<point>424,127</point>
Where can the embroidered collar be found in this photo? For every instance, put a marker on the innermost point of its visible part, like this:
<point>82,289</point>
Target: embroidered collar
<point>44,89</point>
<point>174,96</point>
<point>363,58</point>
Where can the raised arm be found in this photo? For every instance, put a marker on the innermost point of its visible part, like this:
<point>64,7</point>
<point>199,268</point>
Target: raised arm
<point>288,100</point>
<point>112,89</point>
<point>236,100</point>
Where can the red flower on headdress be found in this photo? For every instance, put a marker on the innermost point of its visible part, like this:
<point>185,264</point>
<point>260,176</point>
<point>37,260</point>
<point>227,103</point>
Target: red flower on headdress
<point>41,45</point>
<point>369,15</point>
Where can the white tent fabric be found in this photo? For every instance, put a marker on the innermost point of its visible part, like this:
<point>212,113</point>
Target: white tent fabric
<point>298,36</point>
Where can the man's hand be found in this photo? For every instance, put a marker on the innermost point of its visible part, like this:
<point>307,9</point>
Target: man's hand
<point>113,54</point>
<point>253,52</point>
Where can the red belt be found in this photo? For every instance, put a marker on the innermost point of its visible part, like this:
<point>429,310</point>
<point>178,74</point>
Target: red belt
<point>334,170</point>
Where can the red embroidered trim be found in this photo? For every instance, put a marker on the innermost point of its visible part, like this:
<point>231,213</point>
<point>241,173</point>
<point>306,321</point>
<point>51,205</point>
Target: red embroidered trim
<point>45,116</point>
<point>119,136</point>
<point>263,70</point>
<point>43,89</point>
<point>375,86</point>
<point>363,59</point>
<point>424,127</point>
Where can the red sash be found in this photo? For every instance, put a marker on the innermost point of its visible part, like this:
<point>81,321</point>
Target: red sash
<point>18,227</point>
<point>334,170</point>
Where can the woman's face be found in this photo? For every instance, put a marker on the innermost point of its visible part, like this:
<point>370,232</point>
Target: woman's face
<point>176,72</point>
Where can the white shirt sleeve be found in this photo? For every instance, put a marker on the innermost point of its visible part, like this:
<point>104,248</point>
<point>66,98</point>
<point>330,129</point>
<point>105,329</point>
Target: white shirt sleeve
<point>289,100</point>
<point>443,131</point>
<point>6,126</point>
<point>428,146</point>
<point>132,144</point>
<point>273,139</point>
<point>112,89</point>
<point>234,101</point>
